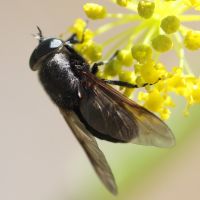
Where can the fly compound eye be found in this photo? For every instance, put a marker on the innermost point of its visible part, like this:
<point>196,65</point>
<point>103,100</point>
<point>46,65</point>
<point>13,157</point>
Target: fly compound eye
<point>45,47</point>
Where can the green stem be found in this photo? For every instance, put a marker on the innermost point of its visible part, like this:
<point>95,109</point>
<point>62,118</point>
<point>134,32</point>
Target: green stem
<point>184,29</point>
<point>127,16</point>
<point>181,50</point>
<point>111,25</point>
<point>116,46</point>
<point>141,28</point>
<point>157,57</point>
<point>185,18</point>
<point>187,67</point>
<point>118,36</point>
<point>149,34</point>
<point>180,10</point>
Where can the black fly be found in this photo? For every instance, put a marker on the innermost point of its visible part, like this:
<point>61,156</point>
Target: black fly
<point>91,107</point>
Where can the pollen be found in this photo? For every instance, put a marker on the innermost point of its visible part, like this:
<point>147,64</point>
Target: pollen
<point>192,40</point>
<point>146,9</point>
<point>94,11</point>
<point>162,43</point>
<point>170,24</point>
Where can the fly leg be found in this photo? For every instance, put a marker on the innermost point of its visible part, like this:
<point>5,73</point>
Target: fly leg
<point>95,66</point>
<point>74,40</point>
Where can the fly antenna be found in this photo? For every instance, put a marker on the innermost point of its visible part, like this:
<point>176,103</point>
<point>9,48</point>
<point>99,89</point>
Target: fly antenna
<point>41,38</point>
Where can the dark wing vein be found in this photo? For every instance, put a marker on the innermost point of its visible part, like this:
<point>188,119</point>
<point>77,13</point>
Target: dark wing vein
<point>111,113</point>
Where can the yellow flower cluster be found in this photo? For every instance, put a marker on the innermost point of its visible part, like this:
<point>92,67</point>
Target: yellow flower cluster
<point>192,3</point>
<point>159,29</point>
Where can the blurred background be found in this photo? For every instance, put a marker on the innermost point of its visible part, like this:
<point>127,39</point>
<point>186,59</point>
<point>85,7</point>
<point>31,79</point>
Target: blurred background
<point>40,158</point>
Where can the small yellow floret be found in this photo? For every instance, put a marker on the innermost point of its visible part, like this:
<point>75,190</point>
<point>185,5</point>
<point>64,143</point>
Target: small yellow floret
<point>127,76</point>
<point>168,101</point>
<point>192,3</point>
<point>146,9</point>
<point>142,53</point>
<point>162,43</point>
<point>142,96</point>
<point>149,73</point>
<point>77,28</point>
<point>196,95</point>
<point>137,68</point>
<point>113,68</point>
<point>102,75</point>
<point>164,113</point>
<point>154,101</point>
<point>94,52</point>
<point>160,67</point>
<point>125,58</point>
<point>160,85</point>
<point>140,81</point>
<point>128,91</point>
<point>192,40</point>
<point>94,11</point>
<point>123,3</point>
<point>170,24</point>
<point>177,71</point>
<point>148,88</point>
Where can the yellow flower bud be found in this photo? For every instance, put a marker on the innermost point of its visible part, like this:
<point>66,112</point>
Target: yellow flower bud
<point>177,70</point>
<point>164,115</point>
<point>102,75</point>
<point>77,28</point>
<point>168,102</point>
<point>154,101</point>
<point>142,53</point>
<point>149,73</point>
<point>170,75</point>
<point>166,111</point>
<point>186,113</point>
<point>196,95</point>
<point>192,40</point>
<point>140,81</point>
<point>127,76</point>
<point>163,76</point>
<point>94,11</point>
<point>160,85</point>
<point>148,88</point>
<point>137,68</point>
<point>195,3</point>
<point>146,9</point>
<point>113,68</point>
<point>170,24</point>
<point>125,58</point>
<point>94,52</point>
<point>123,3</point>
<point>128,92</point>
<point>142,96</point>
<point>162,43</point>
<point>174,82</point>
<point>160,67</point>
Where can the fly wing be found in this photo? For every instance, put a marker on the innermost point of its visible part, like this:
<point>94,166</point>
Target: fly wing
<point>110,112</point>
<point>92,150</point>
